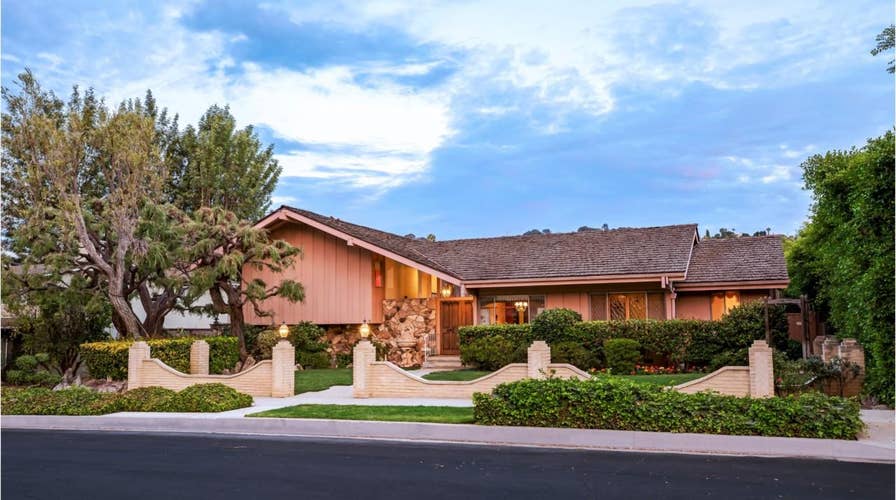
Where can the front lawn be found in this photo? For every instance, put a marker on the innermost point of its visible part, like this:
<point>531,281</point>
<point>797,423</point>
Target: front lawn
<point>322,378</point>
<point>457,375</point>
<point>433,414</point>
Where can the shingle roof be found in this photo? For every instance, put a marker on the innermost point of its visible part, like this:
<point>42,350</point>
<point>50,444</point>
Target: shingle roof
<point>649,250</point>
<point>623,251</point>
<point>759,258</point>
<point>406,247</point>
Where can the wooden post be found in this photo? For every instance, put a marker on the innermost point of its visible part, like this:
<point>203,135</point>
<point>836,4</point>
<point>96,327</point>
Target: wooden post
<point>805,319</point>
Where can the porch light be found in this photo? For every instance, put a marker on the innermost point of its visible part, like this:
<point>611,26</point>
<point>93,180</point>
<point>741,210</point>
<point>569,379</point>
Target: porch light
<point>283,331</point>
<point>365,330</point>
<point>447,290</point>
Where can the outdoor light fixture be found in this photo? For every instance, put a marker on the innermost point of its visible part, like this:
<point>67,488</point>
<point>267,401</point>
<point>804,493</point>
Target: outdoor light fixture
<point>283,331</point>
<point>521,308</point>
<point>447,289</point>
<point>365,330</point>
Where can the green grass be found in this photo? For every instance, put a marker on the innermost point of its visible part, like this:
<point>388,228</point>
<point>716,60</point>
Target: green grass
<point>456,375</point>
<point>434,414</point>
<point>672,379</point>
<point>320,379</point>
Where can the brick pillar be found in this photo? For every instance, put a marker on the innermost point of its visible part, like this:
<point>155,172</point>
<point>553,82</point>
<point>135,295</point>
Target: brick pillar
<point>199,358</point>
<point>539,359</point>
<point>830,349</point>
<point>850,350</point>
<point>283,359</point>
<point>817,343</point>
<point>363,355</point>
<point>137,353</point>
<point>762,372</point>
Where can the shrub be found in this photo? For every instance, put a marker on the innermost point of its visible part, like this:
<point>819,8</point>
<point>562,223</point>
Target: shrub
<point>110,359</point>
<point>554,324</point>
<point>521,334</point>
<point>574,354</point>
<point>148,399</point>
<point>27,371</point>
<point>43,401</point>
<point>738,357</point>
<point>210,398</point>
<point>608,403</point>
<point>313,360</point>
<point>622,355</point>
<point>492,353</point>
<point>265,342</point>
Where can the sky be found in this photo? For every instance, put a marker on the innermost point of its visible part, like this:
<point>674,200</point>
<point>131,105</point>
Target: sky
<point>489,118</point>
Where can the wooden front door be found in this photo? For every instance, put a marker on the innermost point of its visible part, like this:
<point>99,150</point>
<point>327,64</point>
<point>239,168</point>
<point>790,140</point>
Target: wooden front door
<point>453,314</point>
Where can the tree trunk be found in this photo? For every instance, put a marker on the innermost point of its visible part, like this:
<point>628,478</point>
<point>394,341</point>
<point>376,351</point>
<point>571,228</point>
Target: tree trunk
<point>126,315</point>
<point>237,320</point>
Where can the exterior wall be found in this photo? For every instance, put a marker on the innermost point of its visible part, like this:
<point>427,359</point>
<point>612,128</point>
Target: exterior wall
<point>267,378</point>
<point>337,279</point>
<point>693,306</point>
<point>407,324</point>
<point>730,380</point>
<point>575,297</point>
<point>379,379</point>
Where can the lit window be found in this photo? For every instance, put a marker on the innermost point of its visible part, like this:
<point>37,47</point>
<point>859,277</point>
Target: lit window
<point>509,309</point>
<point>724,302</point>
<point>624,306</point>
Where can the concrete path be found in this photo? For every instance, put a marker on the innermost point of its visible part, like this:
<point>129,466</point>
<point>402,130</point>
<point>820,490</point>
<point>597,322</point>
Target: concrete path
<point>589,439</point>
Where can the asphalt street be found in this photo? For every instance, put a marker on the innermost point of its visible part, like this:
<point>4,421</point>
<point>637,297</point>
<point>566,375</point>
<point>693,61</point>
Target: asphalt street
<point>99,465</point>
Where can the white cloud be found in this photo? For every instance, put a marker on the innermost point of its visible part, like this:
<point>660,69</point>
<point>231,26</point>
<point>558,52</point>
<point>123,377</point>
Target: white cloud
<point>283,200</point>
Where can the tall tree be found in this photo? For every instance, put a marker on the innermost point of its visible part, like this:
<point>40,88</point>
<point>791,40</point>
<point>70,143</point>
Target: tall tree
<point>218,165</point>
<point>845,253</point>
<point>885,42</point>
<point>229,247</point>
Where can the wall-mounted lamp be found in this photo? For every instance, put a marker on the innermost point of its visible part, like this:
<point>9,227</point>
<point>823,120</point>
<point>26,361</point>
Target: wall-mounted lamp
<point>447,290</point>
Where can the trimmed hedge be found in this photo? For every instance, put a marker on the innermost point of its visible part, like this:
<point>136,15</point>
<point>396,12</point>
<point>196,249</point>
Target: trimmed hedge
<point>110,359</point>
<point>622,355</point>
<point>83,401</point>
<point>608,403</point>
<point>695,343</point>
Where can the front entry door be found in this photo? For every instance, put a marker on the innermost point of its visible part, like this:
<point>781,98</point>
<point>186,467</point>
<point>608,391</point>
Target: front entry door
<point>453,314</point>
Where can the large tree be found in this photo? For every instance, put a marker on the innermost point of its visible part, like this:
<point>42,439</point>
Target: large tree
<point>81,174</point>
<point>219,165</point>
<point>844,256</point>
<point>886,40</point>
<point>230,246</point>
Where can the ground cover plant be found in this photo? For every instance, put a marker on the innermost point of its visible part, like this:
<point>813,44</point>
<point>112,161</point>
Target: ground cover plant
<point>457,375</point>
<point>607,403</point>
<point>202,398</point>
<point>433,414</point>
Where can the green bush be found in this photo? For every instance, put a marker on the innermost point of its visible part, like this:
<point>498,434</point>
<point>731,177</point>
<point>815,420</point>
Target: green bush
<point>313,360</point>
<point>736,357</point>
<point>554,324</point>
<point>609,403</point>
<point>519,333</point>
<point>27,371</point>
<point>265,342</point>
<point>574,354</point>
<point>110,359</point>
<point>43,401</point>
<point>622,355</point>
<point>492,353</point>
<point>210,398</point>
<point>148,399</point>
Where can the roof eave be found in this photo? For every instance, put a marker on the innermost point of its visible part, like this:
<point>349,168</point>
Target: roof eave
<point>683,286</point>
<point>572,280</point>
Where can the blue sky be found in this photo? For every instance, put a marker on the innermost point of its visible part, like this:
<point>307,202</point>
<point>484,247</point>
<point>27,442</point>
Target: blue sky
<point>495,117</point>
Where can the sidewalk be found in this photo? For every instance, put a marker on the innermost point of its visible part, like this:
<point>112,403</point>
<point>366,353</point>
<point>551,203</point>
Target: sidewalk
<point>879,449</point>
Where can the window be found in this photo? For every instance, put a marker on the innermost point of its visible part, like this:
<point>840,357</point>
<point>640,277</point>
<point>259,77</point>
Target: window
<point>625,306</point>
<point>509,309</point>
<point>723,302</point>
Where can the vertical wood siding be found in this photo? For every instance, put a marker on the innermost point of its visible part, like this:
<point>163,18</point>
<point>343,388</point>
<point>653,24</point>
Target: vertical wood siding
<point>337,279</point>
<point>577,301</point>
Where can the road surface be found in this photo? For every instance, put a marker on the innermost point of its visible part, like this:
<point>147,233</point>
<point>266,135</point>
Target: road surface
<point>126,466</point>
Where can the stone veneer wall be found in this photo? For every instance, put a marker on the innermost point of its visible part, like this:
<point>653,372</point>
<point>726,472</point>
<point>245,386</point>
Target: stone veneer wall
<point>406,320</point>
<point>403,319</point>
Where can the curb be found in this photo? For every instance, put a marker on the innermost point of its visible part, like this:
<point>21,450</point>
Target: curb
<point>581,439</point>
